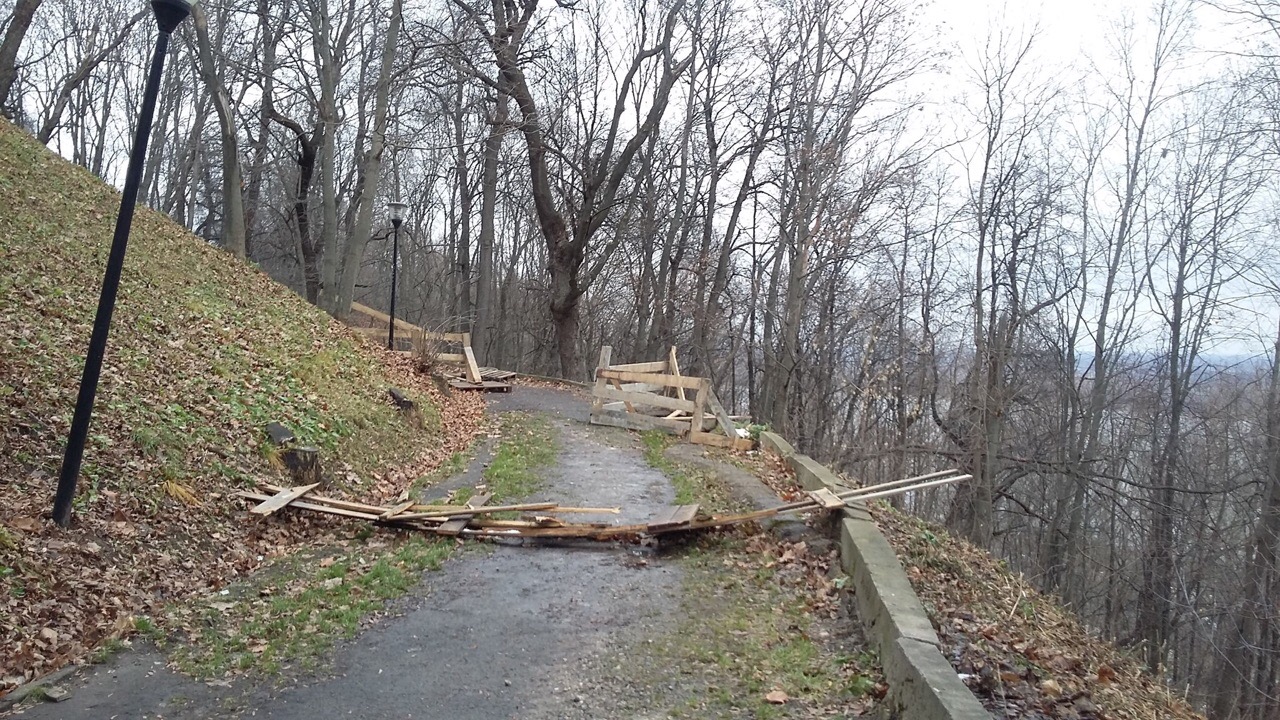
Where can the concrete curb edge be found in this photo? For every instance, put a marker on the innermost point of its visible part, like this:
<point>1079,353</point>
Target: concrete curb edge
<point>922,683</point>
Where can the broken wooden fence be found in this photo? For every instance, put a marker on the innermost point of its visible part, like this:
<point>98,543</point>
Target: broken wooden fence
<point>469,374</point>
<point>620,389</point>
<point>475,519</point>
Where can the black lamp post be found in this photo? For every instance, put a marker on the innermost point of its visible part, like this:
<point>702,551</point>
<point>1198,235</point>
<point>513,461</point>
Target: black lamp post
<point>396,210</point>
<point>169,14</point>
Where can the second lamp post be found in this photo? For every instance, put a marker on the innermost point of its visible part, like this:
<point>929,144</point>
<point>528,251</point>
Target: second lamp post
<point>396,211</point>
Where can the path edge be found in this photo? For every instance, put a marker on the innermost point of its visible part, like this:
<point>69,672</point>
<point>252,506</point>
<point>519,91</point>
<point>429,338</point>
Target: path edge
<point>922,683</point>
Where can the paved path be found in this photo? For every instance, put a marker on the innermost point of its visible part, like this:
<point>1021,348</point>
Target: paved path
<point>492,635</point>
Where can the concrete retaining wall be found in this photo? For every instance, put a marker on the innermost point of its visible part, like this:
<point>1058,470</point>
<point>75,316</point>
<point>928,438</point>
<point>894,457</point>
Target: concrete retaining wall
<point>922,684</point>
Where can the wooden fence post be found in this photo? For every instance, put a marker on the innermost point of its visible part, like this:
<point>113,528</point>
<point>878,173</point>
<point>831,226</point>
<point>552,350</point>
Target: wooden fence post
<point>606,356</point>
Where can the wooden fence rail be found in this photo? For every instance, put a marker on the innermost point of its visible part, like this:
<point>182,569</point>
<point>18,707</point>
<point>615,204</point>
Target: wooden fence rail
<point>660,385</point>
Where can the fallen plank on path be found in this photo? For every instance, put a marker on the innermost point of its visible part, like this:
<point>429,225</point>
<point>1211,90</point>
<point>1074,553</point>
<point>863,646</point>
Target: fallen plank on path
<point>455,524</point>
<point>484,385</point>
<point>469,521</point>
<point>282,498</point>
<point>674,517</point>
<point>826,499</point>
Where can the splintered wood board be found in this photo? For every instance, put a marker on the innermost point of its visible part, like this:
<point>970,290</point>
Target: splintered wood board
<point>674,517</point>
<point>486,386</point>
<point>282,498</point>
<point>718,440</point>
<point>827,499</point>
<point>454,525</point>
<point>393,511</point>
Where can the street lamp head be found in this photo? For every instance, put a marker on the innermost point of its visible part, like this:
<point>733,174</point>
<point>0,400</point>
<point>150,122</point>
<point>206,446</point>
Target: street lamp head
<point>396,210</point>
<point>171,13</point>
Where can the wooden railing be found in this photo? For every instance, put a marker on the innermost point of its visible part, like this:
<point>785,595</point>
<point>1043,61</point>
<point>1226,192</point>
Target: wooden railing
<point>660,384</point>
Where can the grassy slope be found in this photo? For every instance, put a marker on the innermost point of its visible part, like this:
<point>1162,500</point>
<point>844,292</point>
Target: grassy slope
<point>204,351</point>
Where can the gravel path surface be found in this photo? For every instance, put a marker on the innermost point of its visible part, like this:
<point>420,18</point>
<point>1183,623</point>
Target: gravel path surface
<point>502,634</point>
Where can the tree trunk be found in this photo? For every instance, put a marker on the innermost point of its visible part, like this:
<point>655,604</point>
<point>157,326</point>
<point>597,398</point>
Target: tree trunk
<point>233,223</point>
<point>371,171</point>
<point>23,12</point>
<point>484,329</point>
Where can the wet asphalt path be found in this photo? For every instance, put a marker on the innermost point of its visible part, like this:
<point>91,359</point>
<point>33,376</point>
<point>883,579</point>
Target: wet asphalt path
<point>498,634</point>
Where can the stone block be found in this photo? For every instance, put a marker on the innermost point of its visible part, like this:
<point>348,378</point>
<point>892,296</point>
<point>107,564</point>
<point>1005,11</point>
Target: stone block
<point>776,444</point>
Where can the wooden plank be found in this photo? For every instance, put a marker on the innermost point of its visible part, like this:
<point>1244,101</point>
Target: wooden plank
<point>314,507</point>
<point>282,498</point>
<point>401,324</point>
<point>485,511</point>
<point>684,381</point>
<point>378,510</point>
<point>606,354</point>
<point>346,504</point>
<point>489,373</point>
<point>636,421</point>
<point>380,333</point>
<point>674,369</point>
<point>895,483</point>
<point>827,499</point>
<point>663,516</point>
<point>726,424</point>
<point>455,525</point>
<point>643,387</point>
<point>645,367</point>
<point>676,516</point>
<point>396,510</point>
<point>617,386</point>
<point>384,318</point>
<point>644,398</point>
<point>451,357</point>
<point>699,408</point>
<point>484,385</point>
<point>718,440</point>
<point>473,370</point>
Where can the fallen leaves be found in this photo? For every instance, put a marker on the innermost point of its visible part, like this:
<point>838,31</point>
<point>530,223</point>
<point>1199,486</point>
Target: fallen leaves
<point>776,697</point>
<point>203,351</point>
<point>25,524</point>
<point>1020,653</point>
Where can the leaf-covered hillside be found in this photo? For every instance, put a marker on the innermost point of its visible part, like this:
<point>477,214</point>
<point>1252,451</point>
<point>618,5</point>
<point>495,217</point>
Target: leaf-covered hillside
<point>204,351</point>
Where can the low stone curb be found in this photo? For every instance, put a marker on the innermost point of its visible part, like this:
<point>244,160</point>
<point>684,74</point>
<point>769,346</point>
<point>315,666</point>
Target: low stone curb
<point>22,692</point>
<point>922,684</point>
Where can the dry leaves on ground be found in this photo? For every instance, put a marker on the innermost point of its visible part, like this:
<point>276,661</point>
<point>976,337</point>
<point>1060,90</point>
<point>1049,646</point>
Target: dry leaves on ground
<point>1020,653</point>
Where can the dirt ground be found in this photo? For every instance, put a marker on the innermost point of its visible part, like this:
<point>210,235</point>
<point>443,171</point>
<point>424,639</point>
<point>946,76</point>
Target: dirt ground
<point>508,632</point>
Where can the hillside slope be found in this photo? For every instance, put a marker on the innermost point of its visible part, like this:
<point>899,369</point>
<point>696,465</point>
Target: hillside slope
<point>204,351</point>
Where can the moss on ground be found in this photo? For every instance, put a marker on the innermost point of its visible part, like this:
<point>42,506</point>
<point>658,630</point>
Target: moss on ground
<point>693,486</point>
<point>529,443</point>
<point>289,616</point>
<point>757,617</point>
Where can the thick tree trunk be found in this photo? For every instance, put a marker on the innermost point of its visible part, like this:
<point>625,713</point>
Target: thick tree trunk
<point>23,13</point>
<point>370,171</point>
<point>484,330</point>
<point>268,36</point>
<point>233,223</point>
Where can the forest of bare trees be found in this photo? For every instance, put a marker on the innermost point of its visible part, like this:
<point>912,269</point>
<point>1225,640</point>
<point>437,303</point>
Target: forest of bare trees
<point>900,253</point>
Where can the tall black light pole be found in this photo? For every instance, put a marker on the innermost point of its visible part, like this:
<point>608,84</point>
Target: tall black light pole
<point>396,211</point>
<point>169,14</point>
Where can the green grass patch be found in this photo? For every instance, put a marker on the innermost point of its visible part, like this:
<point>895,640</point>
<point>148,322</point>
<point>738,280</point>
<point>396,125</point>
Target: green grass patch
<point>529,443</point>
<point>299,608</point>
<point>742,633</point>
<point>107,650</point>
<point>693,486</point>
